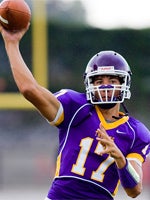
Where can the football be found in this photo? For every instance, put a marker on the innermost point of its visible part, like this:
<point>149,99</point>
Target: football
<point>14,14</point>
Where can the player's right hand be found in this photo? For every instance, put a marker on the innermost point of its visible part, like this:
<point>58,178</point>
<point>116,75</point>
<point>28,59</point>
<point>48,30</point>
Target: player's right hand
<point>12,37</point>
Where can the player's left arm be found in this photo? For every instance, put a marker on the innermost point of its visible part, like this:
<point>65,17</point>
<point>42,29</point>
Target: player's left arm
<point>130,172</point>
<point>137,175</point>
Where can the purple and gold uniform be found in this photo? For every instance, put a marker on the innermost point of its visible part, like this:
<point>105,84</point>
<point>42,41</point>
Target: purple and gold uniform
<point>81,173</point>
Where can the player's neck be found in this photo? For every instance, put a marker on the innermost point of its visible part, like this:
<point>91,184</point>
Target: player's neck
<point>109,113</point>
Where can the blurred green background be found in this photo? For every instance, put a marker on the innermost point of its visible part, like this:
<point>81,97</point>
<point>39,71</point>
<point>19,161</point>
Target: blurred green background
<point>28,145</point>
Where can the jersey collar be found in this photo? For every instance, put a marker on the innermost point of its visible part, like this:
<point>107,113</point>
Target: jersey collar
<point>112,125</point>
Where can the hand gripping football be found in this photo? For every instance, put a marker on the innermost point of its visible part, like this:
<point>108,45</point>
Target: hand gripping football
<point>14,14</point>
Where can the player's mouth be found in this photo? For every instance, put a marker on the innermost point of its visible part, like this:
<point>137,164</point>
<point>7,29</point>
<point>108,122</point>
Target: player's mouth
<point>106,98</point>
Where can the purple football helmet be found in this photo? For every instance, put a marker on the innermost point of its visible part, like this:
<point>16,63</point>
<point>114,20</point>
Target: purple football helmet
<point>108,63</point>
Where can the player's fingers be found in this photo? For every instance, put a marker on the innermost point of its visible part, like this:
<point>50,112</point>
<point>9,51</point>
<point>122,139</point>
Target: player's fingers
<point>98,132</point>
<point>101,132</point>
<point>1,28</point>
<point>108,151</point>
<point>102,129</point>
<point>28,25</point>
<point>104,141</point>
<point>108,148</point>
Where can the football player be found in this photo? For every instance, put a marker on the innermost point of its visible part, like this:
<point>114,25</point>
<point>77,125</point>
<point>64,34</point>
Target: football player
<point>99,146</point>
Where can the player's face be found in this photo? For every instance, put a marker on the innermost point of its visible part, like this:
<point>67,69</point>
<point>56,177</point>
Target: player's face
<point>106,81</point>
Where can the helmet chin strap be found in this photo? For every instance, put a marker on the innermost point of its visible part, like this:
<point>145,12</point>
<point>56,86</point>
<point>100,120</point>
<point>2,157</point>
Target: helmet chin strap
<point>126,112</point>
<point>111,105</point>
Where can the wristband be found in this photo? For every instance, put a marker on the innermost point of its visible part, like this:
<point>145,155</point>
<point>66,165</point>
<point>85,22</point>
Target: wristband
<point>129,178</point>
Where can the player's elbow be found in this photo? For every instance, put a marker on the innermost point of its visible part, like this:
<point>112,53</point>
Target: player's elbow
<point>29,92</point>
<point>133,193</point>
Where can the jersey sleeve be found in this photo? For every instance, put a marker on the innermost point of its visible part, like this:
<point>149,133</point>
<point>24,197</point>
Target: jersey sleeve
<point>141,146</point>
<point>59,116</point>
<point>70,101</point>
<point>65,105</point>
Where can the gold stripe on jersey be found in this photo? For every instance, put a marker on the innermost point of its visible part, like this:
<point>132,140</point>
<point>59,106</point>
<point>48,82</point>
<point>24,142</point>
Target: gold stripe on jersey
<point>116,189</point>
<point>58,165</point>
<point>137,156</point>
<point>112,125</point>
<point>60,119</point>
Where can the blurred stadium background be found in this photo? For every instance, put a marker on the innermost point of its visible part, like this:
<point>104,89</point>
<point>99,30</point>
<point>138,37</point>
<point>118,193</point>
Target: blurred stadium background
<point>57,48</point>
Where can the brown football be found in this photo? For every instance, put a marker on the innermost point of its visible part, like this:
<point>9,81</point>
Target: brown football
<point>14,14</point>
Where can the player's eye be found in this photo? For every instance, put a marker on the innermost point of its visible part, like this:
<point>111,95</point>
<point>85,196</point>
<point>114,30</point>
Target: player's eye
<point>114,81</point>
<point>98,82</point>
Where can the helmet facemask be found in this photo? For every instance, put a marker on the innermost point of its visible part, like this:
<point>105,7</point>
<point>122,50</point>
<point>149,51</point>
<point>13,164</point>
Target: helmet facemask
<point>111,93</point>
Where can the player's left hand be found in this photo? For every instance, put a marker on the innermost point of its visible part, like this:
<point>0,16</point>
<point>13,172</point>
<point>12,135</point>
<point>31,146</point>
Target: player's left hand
<point>109,146</point>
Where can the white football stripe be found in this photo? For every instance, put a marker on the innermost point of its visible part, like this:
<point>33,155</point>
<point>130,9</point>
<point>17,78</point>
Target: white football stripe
<point>3,20</point>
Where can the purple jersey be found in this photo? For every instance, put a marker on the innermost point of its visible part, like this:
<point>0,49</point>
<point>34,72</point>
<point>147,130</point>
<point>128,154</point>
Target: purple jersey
<point>81,172</point>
